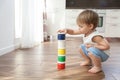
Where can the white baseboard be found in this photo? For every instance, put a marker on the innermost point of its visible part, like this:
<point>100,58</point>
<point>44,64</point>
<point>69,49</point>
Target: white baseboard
<point>7,49</point>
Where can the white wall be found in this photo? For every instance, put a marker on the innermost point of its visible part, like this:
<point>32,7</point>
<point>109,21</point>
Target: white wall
<point>6,26</point>
<point>55,15</point>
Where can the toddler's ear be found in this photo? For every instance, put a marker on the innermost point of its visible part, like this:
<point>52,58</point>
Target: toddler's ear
<point>91,26</point>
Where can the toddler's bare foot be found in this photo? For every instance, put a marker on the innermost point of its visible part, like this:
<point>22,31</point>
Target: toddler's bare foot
<point>95,69</point>
<point>85,63</point>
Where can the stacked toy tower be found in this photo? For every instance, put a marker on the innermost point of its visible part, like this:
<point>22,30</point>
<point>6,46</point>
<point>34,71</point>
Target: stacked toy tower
<point>61,51</point>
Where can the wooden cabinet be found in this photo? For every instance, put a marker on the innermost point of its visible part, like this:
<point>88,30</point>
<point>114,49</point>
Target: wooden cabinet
<point>112,28</point>
<point>111,23</point>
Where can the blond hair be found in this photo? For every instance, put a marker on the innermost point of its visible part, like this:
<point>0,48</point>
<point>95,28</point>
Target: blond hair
<point>88,17</point>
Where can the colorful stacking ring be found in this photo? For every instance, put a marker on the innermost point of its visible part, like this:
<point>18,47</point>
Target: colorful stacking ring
<point>61,51</point>
<point>61,36</point>
<point>61,58</point>
<point>61,66</point>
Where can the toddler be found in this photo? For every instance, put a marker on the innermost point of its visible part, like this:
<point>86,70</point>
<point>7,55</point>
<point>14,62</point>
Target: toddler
<point>95,48</point>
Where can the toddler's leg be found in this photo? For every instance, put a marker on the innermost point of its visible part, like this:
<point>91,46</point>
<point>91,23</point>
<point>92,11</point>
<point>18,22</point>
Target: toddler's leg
<point>87,59</point>
<point>96,63</point>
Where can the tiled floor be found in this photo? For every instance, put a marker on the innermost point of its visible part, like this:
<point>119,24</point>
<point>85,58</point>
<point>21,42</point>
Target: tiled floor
<point>39,63</point>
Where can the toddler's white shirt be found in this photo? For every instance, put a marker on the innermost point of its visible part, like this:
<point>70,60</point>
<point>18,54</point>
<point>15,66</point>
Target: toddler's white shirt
<point>88,39</point>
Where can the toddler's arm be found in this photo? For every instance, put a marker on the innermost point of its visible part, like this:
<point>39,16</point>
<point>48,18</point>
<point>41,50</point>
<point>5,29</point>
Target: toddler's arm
<point>69,31</point>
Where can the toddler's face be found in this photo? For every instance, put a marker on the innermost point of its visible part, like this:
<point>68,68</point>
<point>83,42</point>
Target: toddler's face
<point>84,28</point>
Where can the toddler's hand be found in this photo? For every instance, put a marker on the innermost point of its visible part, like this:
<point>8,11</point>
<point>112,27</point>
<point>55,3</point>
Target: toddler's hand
<point>62,31</point>
<point>88,45</point>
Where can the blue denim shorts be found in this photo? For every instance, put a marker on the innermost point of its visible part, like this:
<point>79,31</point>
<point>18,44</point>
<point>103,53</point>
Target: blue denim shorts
<point>96,52</point>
